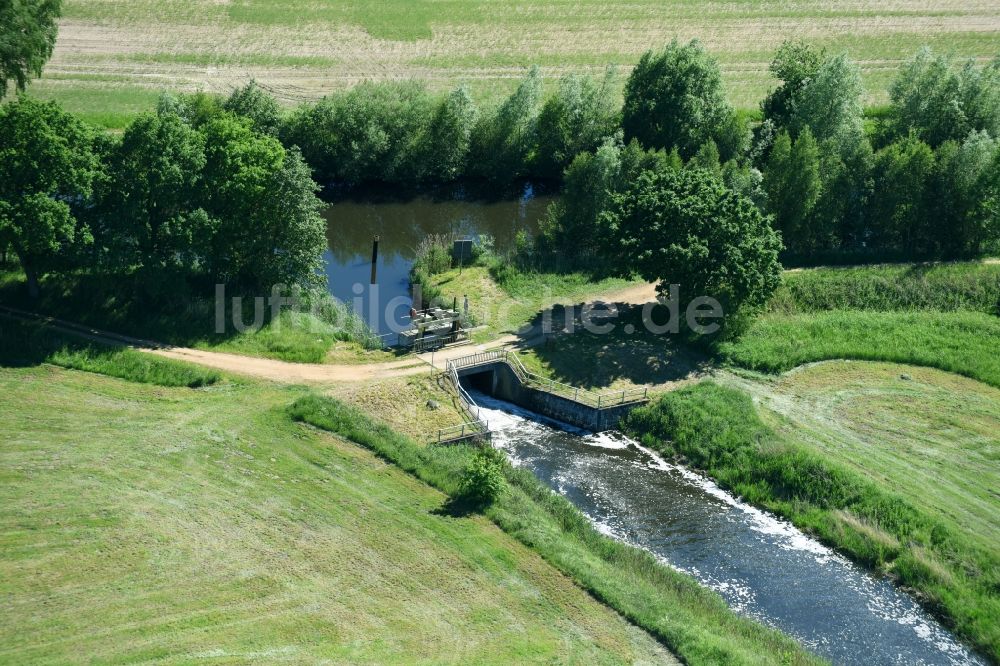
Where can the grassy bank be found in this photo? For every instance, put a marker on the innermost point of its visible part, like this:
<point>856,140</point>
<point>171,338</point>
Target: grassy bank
<point>190,320</point>
<point>515,303</point>
<point>24,343</point>
<point>142,523</point>
<point>927,547</point>
<point>970,285</point>
<point>965,343</point>
<point>693,621</point>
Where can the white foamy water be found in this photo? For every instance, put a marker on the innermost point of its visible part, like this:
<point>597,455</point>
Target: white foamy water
<point>762,565</point>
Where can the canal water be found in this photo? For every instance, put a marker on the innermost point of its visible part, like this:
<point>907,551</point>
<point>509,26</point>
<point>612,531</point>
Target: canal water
<point>762,566</point>
<point>400,226</point>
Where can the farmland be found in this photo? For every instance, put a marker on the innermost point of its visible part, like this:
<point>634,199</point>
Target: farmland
<point>112,57</point>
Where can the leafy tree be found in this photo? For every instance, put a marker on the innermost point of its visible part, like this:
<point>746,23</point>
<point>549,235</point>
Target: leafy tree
<point>685,227</point>
<point>829,104</point>
<point>899,206</point>
<point>253,102</point>
<point>445,146</point>
<point>46,164</point>
<point>793,185</point>
<point>501,142</point>
<point>795,64</point>
<point>965,177</point>
<point>939,102</point>
<point>196,109</point>
<point>576,119</point>
<point>571,229</point>
<point>707,158</point>
<point>269,229</point>
<point>674,98</point>
<point>27,36</point>
<point>149,206</point>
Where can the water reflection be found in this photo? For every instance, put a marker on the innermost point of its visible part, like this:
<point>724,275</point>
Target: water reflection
<point>351,226</point>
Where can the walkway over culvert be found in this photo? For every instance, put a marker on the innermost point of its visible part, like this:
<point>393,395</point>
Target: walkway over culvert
<point>501,374</point>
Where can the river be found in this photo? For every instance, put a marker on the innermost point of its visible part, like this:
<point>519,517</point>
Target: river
<point>762,566</point>
<point>401,225</point>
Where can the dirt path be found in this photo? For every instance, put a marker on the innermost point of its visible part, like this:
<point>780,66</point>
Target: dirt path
<point>295,373</point>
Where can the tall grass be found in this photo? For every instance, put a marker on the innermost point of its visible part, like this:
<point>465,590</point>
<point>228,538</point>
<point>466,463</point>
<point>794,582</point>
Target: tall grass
<point>691,620</point>
<point>944,287</point>
<point>717,429</point>
<point>965,343</point>
<point>23,343</point>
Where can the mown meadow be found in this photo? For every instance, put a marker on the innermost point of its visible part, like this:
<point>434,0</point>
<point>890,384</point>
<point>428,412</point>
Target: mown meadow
<point>150,523</point>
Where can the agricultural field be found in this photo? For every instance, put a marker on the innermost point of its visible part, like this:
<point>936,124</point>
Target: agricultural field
<point>144,523</point>
<point>114,56</point>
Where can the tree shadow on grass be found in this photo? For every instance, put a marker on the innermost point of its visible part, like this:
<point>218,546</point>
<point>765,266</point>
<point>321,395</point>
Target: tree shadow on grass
<point>628,351</point>
<point>458,507</point>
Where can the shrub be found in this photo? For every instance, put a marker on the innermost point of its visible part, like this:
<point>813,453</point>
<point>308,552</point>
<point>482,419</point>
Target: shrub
<point>483,481</point>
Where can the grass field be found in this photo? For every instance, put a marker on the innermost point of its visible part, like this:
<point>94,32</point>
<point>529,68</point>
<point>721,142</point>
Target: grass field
<point>112,55</point>
<point>140,523</point>
<point>893,465</point>
<point>518,303</point>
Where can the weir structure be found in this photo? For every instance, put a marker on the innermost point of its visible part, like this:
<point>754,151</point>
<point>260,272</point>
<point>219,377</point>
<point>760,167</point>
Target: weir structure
<point>501,374</point>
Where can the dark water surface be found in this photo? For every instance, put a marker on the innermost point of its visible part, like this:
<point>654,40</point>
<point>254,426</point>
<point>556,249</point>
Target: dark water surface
<point>401,226</point>
<point>762,566</point>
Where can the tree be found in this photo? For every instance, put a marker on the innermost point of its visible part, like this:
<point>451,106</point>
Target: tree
<point>501,142</point>
<point>899,206</point>
<point>685,227</point>
<point>939,102</point>
<point>150,206</point>
<point>573,221</point>
<point>795,64</point>
<point>965,176</point>
<point>792,182</point>
<point>674,98</point>
<point>27,36</point>
<point>829,104</point>
<point>46,164</point>
<point>269,229</point>
<point>445,146</point>
<point>577,118</point>
<point>255,103</point>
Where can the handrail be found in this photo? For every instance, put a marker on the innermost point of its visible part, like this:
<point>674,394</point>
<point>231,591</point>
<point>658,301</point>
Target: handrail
<point>574,393</point>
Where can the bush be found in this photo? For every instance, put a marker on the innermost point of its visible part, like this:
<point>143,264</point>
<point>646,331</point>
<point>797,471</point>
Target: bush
<point>484,480</point>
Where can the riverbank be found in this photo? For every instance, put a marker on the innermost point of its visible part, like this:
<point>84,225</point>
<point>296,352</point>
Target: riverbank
<point>692,621</point>
<point>205,524</point>
<point>907,500</point>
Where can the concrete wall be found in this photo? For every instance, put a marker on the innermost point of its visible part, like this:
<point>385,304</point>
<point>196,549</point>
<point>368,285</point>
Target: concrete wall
<point>499,380</point>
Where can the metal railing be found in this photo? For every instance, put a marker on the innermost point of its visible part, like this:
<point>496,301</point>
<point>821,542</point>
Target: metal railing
<point>476,427</point>
<point>574,393</point>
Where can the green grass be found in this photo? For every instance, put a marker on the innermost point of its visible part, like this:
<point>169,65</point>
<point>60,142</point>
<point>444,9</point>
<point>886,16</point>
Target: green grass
<point>943,287</point>
<point>965,343</point>
<point>111,304</point>
<point>896,504</point>
<point>517,302</point>
<point>24,343</point>
<point>142,523</point>
<point>321,46</point>
<point>693,621</point>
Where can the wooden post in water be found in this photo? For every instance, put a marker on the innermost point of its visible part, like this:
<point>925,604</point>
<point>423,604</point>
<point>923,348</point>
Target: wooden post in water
<point>374,259</point>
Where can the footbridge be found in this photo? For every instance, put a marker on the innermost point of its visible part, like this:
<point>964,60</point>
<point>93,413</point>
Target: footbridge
<point>501,374</point>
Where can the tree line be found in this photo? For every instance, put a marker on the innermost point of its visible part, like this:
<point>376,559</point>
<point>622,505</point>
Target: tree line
<point>188,196</point>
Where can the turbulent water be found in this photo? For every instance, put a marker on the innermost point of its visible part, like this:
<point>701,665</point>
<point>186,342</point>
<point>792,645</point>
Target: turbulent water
<point>762,566</point>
